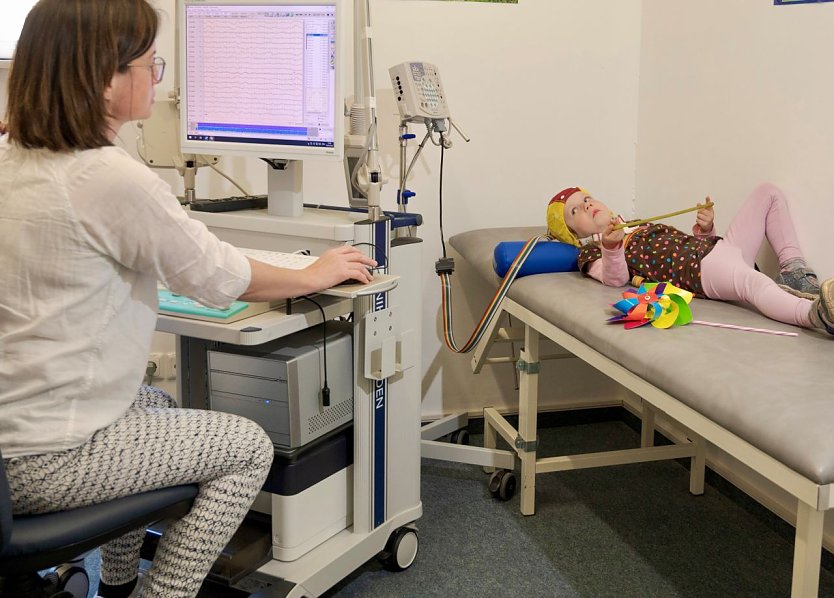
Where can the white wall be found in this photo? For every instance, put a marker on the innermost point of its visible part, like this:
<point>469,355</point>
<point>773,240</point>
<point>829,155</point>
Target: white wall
<point>731,94</point>
<point>734,93</point>
<point>546,90</point>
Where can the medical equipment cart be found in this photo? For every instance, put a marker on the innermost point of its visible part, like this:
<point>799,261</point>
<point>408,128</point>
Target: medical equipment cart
<point>386,351</point>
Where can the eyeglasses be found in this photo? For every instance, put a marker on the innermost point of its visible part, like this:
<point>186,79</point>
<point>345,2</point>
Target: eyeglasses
<point>157,67</point>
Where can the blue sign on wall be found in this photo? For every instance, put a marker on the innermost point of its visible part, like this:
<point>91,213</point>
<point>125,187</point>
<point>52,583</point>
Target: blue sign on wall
<point>777,2</point>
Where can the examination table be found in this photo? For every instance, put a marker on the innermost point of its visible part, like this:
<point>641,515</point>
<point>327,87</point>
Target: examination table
<point>766,400</point>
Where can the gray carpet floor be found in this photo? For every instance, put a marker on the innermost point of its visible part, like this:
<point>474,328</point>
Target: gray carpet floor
<point>622,531</point>
<point>632,530</point>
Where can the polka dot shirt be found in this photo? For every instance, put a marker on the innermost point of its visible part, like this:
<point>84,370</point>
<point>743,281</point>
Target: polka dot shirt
<point>660,253</point>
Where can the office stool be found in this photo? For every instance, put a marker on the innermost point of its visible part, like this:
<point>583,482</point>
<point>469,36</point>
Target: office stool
<point>32,543</point>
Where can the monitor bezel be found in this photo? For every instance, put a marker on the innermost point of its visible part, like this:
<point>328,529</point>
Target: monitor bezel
<point>265,150</point>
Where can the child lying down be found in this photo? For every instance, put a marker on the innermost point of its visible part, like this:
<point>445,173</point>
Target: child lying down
<point>703,263</point>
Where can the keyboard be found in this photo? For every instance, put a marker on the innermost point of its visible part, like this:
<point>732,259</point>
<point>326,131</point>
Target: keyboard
<point>291,261</point>
<point>299,261</point>
<point>178,305</point>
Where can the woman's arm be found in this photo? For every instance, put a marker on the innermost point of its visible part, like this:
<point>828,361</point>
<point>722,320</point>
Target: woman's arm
<point>337,265</point>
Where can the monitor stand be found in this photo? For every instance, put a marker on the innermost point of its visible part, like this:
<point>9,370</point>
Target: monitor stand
<point>284,188</point>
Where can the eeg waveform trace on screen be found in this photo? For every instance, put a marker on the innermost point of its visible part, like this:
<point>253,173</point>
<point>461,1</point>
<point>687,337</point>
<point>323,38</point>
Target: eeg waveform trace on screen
<point>261,74</point>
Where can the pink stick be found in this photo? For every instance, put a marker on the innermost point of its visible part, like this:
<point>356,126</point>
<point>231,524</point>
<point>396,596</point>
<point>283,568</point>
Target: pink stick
<point>745,328</point>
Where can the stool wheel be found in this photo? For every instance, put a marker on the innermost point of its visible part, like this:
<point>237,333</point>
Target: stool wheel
<point>72,581</point>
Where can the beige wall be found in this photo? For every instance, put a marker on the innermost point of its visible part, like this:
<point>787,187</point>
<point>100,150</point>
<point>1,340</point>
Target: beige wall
<point>734,93</point>
<point>546,90</point>
<point>730,94</point>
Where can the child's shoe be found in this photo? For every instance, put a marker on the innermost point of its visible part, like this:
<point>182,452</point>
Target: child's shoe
<point>801,280</point>
<point>822,309</point>
<point>800,294</point>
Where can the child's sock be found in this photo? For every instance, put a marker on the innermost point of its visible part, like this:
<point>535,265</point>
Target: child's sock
<point>793,264</point>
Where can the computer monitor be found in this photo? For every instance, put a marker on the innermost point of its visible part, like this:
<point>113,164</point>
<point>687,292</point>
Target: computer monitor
<point>263,78</point>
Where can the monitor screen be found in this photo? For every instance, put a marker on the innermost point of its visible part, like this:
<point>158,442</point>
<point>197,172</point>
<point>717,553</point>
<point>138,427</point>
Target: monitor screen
<point>12,16</point>
<point>261,78</point>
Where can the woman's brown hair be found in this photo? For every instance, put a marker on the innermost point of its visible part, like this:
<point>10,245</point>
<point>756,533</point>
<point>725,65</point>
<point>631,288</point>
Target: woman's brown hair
<point>66,57</point>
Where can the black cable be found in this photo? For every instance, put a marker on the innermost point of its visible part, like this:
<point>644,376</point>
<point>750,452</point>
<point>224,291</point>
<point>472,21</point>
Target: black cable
<point>376,249</point>
<point>325,390</point>
<point>442,239</point>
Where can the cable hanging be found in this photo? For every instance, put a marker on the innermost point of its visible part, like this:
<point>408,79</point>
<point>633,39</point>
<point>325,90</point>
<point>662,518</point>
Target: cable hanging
<point>445,267</point>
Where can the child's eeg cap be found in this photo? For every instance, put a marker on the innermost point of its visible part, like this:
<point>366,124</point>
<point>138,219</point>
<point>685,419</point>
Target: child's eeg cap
<point>556,226</point>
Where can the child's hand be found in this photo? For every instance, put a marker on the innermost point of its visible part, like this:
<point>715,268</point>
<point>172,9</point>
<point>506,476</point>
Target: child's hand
<point>705,218</point>
<point>611,238</point>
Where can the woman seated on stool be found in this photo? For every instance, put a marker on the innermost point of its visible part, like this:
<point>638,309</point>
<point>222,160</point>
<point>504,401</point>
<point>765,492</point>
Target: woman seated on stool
<point>85,233</point>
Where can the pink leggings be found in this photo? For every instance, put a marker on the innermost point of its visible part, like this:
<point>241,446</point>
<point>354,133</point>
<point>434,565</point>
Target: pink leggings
<point>727,271</point>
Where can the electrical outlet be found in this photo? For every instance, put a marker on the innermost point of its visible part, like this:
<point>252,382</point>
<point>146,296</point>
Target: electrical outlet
<point>157,359</point>
<point>169,366</point>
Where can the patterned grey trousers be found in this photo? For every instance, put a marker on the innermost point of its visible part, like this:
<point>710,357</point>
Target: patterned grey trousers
<point>153,446</point>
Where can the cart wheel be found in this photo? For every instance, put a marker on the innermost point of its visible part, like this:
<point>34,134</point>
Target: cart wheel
<point>460,437</point>
<point>401,549</point>
<point>502,484</point>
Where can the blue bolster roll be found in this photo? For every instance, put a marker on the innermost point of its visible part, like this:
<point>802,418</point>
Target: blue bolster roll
<point>547,256</point>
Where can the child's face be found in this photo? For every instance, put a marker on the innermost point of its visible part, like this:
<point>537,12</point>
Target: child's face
<point>586,216</point>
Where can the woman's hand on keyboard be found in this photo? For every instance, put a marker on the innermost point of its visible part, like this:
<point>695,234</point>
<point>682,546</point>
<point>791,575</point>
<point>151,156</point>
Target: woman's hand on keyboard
<point>339,264</point>
<point>333,267</point>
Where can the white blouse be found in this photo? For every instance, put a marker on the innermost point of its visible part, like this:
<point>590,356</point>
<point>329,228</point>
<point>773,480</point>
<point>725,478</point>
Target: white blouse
<point>84,237</point>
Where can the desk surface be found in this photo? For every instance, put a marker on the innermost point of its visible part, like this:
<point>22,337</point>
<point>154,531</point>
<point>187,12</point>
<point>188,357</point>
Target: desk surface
<point>380,284</point>
<point>274,324</point>
<point>257,329</point>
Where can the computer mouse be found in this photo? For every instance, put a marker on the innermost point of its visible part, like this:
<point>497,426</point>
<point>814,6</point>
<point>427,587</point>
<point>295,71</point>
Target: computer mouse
<point>354,281</point>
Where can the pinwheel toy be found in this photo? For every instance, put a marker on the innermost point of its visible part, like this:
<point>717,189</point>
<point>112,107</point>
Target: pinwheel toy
<point>660,304</point>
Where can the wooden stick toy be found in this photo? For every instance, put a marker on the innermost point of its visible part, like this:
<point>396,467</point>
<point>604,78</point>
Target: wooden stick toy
<point>709,204</point>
